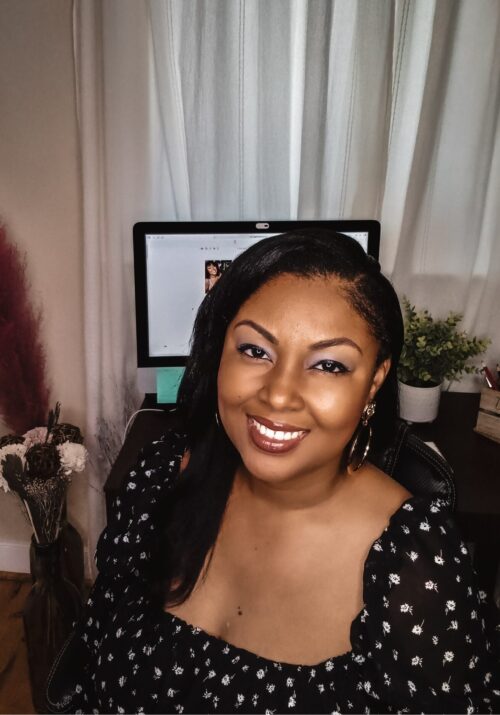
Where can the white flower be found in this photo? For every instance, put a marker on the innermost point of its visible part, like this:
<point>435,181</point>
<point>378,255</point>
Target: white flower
<point>450,606</point>
<point>73,457</point>
<point>260,674</point>
<point>439,560</point>
<point>37,435</point>
<point>386,627</point>
<point>445,687</point>
<point>406,608</point>
<point>411,687</point>
<point>425,526</point>
<point>416,660</point>
<point>413,555</point>
<point>394,578</point>
<point>417,630</point>
<point>431,586</point>
<point>448,656</point>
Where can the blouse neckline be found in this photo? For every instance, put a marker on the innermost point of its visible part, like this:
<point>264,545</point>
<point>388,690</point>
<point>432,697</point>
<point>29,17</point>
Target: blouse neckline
<point>337,660</point>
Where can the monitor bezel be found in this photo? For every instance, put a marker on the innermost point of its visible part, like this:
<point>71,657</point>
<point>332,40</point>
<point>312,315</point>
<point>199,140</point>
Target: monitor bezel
<point>144,228</point>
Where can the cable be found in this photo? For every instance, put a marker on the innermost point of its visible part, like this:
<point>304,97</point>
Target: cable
<point>134,414</point>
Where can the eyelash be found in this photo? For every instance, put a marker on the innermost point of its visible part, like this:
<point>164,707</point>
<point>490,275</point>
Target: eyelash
<point>338,367</point>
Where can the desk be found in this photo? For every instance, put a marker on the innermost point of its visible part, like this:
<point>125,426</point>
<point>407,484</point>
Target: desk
<point>474,459</point>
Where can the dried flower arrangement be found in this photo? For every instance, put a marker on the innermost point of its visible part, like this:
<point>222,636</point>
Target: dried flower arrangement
<point>37,466</point>
<point>24,394</point>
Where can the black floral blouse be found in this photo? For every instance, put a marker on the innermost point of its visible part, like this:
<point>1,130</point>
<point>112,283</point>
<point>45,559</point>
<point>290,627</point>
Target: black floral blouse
<point>418,645</point>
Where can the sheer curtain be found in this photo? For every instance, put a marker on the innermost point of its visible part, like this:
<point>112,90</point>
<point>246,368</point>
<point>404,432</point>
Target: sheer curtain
<point>253,109</point>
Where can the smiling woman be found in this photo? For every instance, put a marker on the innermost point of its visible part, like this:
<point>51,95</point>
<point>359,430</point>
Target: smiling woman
<point>259,562</point>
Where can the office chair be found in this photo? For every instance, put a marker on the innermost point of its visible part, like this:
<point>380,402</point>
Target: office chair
<point>416,466</point>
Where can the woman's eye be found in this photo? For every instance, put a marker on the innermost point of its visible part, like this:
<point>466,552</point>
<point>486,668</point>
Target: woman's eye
<point>331,366</point>
<point>253,351</point>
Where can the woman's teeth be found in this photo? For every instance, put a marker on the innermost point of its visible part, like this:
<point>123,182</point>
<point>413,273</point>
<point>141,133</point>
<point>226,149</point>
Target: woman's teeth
<point>279,436</point>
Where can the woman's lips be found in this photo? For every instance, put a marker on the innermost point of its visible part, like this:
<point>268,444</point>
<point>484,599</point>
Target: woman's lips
<point>274,441</point>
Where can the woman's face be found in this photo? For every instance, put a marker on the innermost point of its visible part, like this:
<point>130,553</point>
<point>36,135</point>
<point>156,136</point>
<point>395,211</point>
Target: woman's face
<point>212,269</point>
<point>297,368</point>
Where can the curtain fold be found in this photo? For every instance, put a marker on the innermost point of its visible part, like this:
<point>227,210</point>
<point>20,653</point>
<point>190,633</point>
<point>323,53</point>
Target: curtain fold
<point>253,109</point>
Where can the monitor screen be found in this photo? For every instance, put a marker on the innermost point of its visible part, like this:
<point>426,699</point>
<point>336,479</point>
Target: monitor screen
<point>177,263</point>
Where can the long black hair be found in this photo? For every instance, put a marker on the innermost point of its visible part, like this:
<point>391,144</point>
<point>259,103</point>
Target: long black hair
<point>193,514</point>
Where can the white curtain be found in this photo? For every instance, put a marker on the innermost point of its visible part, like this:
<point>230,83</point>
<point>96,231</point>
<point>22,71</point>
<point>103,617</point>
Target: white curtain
<point>265,109</point>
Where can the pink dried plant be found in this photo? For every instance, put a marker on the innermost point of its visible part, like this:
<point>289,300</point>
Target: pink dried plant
<point>24,394</point>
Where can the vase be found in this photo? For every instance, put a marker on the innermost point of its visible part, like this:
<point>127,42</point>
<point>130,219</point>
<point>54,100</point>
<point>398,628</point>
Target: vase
<point>51,608</point>
<point>72,560</point>
<point>419,404</point>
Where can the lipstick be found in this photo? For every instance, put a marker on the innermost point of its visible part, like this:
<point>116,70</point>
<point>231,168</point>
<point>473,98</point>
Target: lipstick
<point>274,437</point>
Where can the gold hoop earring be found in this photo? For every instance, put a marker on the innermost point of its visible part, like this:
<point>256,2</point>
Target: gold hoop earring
<point>357,456</point>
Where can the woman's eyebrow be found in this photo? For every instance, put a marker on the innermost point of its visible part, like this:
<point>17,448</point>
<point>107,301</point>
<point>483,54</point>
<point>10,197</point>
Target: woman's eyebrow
<point>315,346</point>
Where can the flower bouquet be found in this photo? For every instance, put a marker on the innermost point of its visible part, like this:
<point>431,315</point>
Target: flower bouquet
<point>37,466</point>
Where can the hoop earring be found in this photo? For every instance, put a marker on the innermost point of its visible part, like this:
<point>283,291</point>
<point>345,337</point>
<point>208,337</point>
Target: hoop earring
<point>357,456</point>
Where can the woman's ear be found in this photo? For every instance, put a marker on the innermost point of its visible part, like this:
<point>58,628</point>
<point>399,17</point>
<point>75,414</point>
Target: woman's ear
<point>379,377</point>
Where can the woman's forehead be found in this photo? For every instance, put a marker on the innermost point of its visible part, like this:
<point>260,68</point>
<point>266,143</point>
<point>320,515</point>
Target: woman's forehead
<point>318,303</point>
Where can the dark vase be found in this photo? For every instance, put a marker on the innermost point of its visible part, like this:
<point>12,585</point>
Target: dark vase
<point>71,550</point>
<point>50,610</point>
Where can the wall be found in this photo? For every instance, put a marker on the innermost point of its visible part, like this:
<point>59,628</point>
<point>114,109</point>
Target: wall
<point>40,194</point>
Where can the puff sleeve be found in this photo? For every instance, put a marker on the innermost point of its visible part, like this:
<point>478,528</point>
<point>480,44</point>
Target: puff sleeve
<point>431,650</point>
<point>121,555</point>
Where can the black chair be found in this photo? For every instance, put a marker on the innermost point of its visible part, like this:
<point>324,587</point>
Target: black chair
<point>416,466</point>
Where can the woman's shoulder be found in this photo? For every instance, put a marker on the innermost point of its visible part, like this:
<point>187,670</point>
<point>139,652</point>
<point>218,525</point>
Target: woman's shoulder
<point>134,509</point>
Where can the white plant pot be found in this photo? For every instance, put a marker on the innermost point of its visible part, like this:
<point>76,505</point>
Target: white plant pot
<point>419,404</point>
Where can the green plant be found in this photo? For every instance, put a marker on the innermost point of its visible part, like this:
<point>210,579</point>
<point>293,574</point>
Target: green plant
<point>435,350</point>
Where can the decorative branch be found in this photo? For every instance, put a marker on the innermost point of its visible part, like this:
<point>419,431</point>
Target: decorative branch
<point>24,394</point>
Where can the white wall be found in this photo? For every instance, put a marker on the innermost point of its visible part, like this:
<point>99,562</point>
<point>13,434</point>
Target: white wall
<point>40,191</point>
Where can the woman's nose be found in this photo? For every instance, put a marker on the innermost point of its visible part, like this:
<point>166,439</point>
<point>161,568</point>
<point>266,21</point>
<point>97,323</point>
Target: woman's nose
<point>281,389</point>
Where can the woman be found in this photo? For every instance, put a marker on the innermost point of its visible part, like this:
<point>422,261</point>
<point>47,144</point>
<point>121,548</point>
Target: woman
<point>212,275</point>
<point>260,563</point>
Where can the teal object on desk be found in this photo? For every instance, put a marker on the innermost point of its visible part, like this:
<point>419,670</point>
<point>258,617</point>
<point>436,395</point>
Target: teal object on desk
<point>167,384</point>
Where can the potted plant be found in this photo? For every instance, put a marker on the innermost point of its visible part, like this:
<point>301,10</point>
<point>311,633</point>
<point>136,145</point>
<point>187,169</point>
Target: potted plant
<point>433,351</point>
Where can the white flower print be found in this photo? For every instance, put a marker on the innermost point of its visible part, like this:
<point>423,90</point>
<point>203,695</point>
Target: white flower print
<point>407,507</point>
<point>417,629</point>
<point>417,660</point>
<point>431,586</point>
<point>424,525</point>
<point>387,680</point>
<point>448,656</point>
<point>413,555</point>
<point>158,673</point>
<point>171,692</point>
<point>226,680</point>
<point>473,661</point>
<point>453,626</point>
<point>435,640</point>
<point>121,681</point>
<point>405,529</point>
<point>450,606</point>
<point>321,687</point>
<point>211,674</point>
<point>328,665</point>
<point>377,546</point>
<point>178,670</point>
<point>411,687</point>
<point>406,608</point>
<point>445,687</point>
<point>386,627</point>
<point>240,698</point>
<point>394,578</point>
<point>367,686</point>
<point>438,559</point>
<point>260,674</point>
<point>292,700</point>
<point>270,687</point>
<point>289,682</point>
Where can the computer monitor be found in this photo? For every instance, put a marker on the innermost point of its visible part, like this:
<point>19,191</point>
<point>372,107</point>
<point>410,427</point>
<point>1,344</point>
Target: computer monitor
<point>176,263</point>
